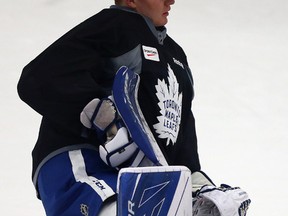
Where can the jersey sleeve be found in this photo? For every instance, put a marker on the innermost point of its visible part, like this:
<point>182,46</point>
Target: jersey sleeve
<point>59,82</point>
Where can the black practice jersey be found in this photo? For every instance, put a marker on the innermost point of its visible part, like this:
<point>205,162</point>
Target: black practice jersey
<point>81,66</point>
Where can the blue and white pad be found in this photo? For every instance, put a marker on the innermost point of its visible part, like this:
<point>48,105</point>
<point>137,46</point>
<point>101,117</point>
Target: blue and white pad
<point>125,93</point>
<point>154,191</point>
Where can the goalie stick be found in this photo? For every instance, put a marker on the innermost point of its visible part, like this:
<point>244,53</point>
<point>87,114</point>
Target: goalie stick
<point>125,93</point>
<point>146,193</point>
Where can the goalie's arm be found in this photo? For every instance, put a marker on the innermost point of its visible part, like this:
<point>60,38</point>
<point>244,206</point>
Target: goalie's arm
<point>60,82</point>
<point>188,149</point>
<point>72,71</point>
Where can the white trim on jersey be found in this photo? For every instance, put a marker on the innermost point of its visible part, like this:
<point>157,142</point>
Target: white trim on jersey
<point>80,174</point>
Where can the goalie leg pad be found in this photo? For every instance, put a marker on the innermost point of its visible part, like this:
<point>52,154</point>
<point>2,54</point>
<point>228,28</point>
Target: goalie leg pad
<point>164,190</point>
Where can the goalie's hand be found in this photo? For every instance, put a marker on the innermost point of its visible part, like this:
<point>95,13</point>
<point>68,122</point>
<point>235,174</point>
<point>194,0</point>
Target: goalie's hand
<point>120,150</point>
<point>99,115</point>
<point>221,201</point>
<point>117,148</point>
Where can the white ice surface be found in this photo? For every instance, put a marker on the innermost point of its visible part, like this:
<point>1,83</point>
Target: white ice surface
<point>238,52</point>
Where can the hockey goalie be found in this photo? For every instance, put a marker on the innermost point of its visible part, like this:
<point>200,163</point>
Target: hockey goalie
<point>134,150</point>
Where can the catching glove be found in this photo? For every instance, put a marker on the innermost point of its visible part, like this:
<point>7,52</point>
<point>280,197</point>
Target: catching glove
<point>221,201</point>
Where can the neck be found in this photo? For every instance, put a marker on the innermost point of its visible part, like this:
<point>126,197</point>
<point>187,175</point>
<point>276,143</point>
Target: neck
<point>159,32</point>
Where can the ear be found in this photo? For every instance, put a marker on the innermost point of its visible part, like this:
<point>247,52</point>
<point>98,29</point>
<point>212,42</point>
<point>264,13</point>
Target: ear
<point>131,4</point>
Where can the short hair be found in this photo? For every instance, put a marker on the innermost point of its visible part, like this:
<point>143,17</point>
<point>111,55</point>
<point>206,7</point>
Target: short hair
<point>118,2</point>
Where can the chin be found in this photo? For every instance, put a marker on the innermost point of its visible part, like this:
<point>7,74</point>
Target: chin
<point>161,23</point>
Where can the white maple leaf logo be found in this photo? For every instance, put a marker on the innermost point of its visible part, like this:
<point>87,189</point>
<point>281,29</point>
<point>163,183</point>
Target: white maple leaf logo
<point>170,104</point>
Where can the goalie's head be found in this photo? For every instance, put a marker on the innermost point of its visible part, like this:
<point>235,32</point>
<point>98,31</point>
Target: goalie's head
<point>156,10</point>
